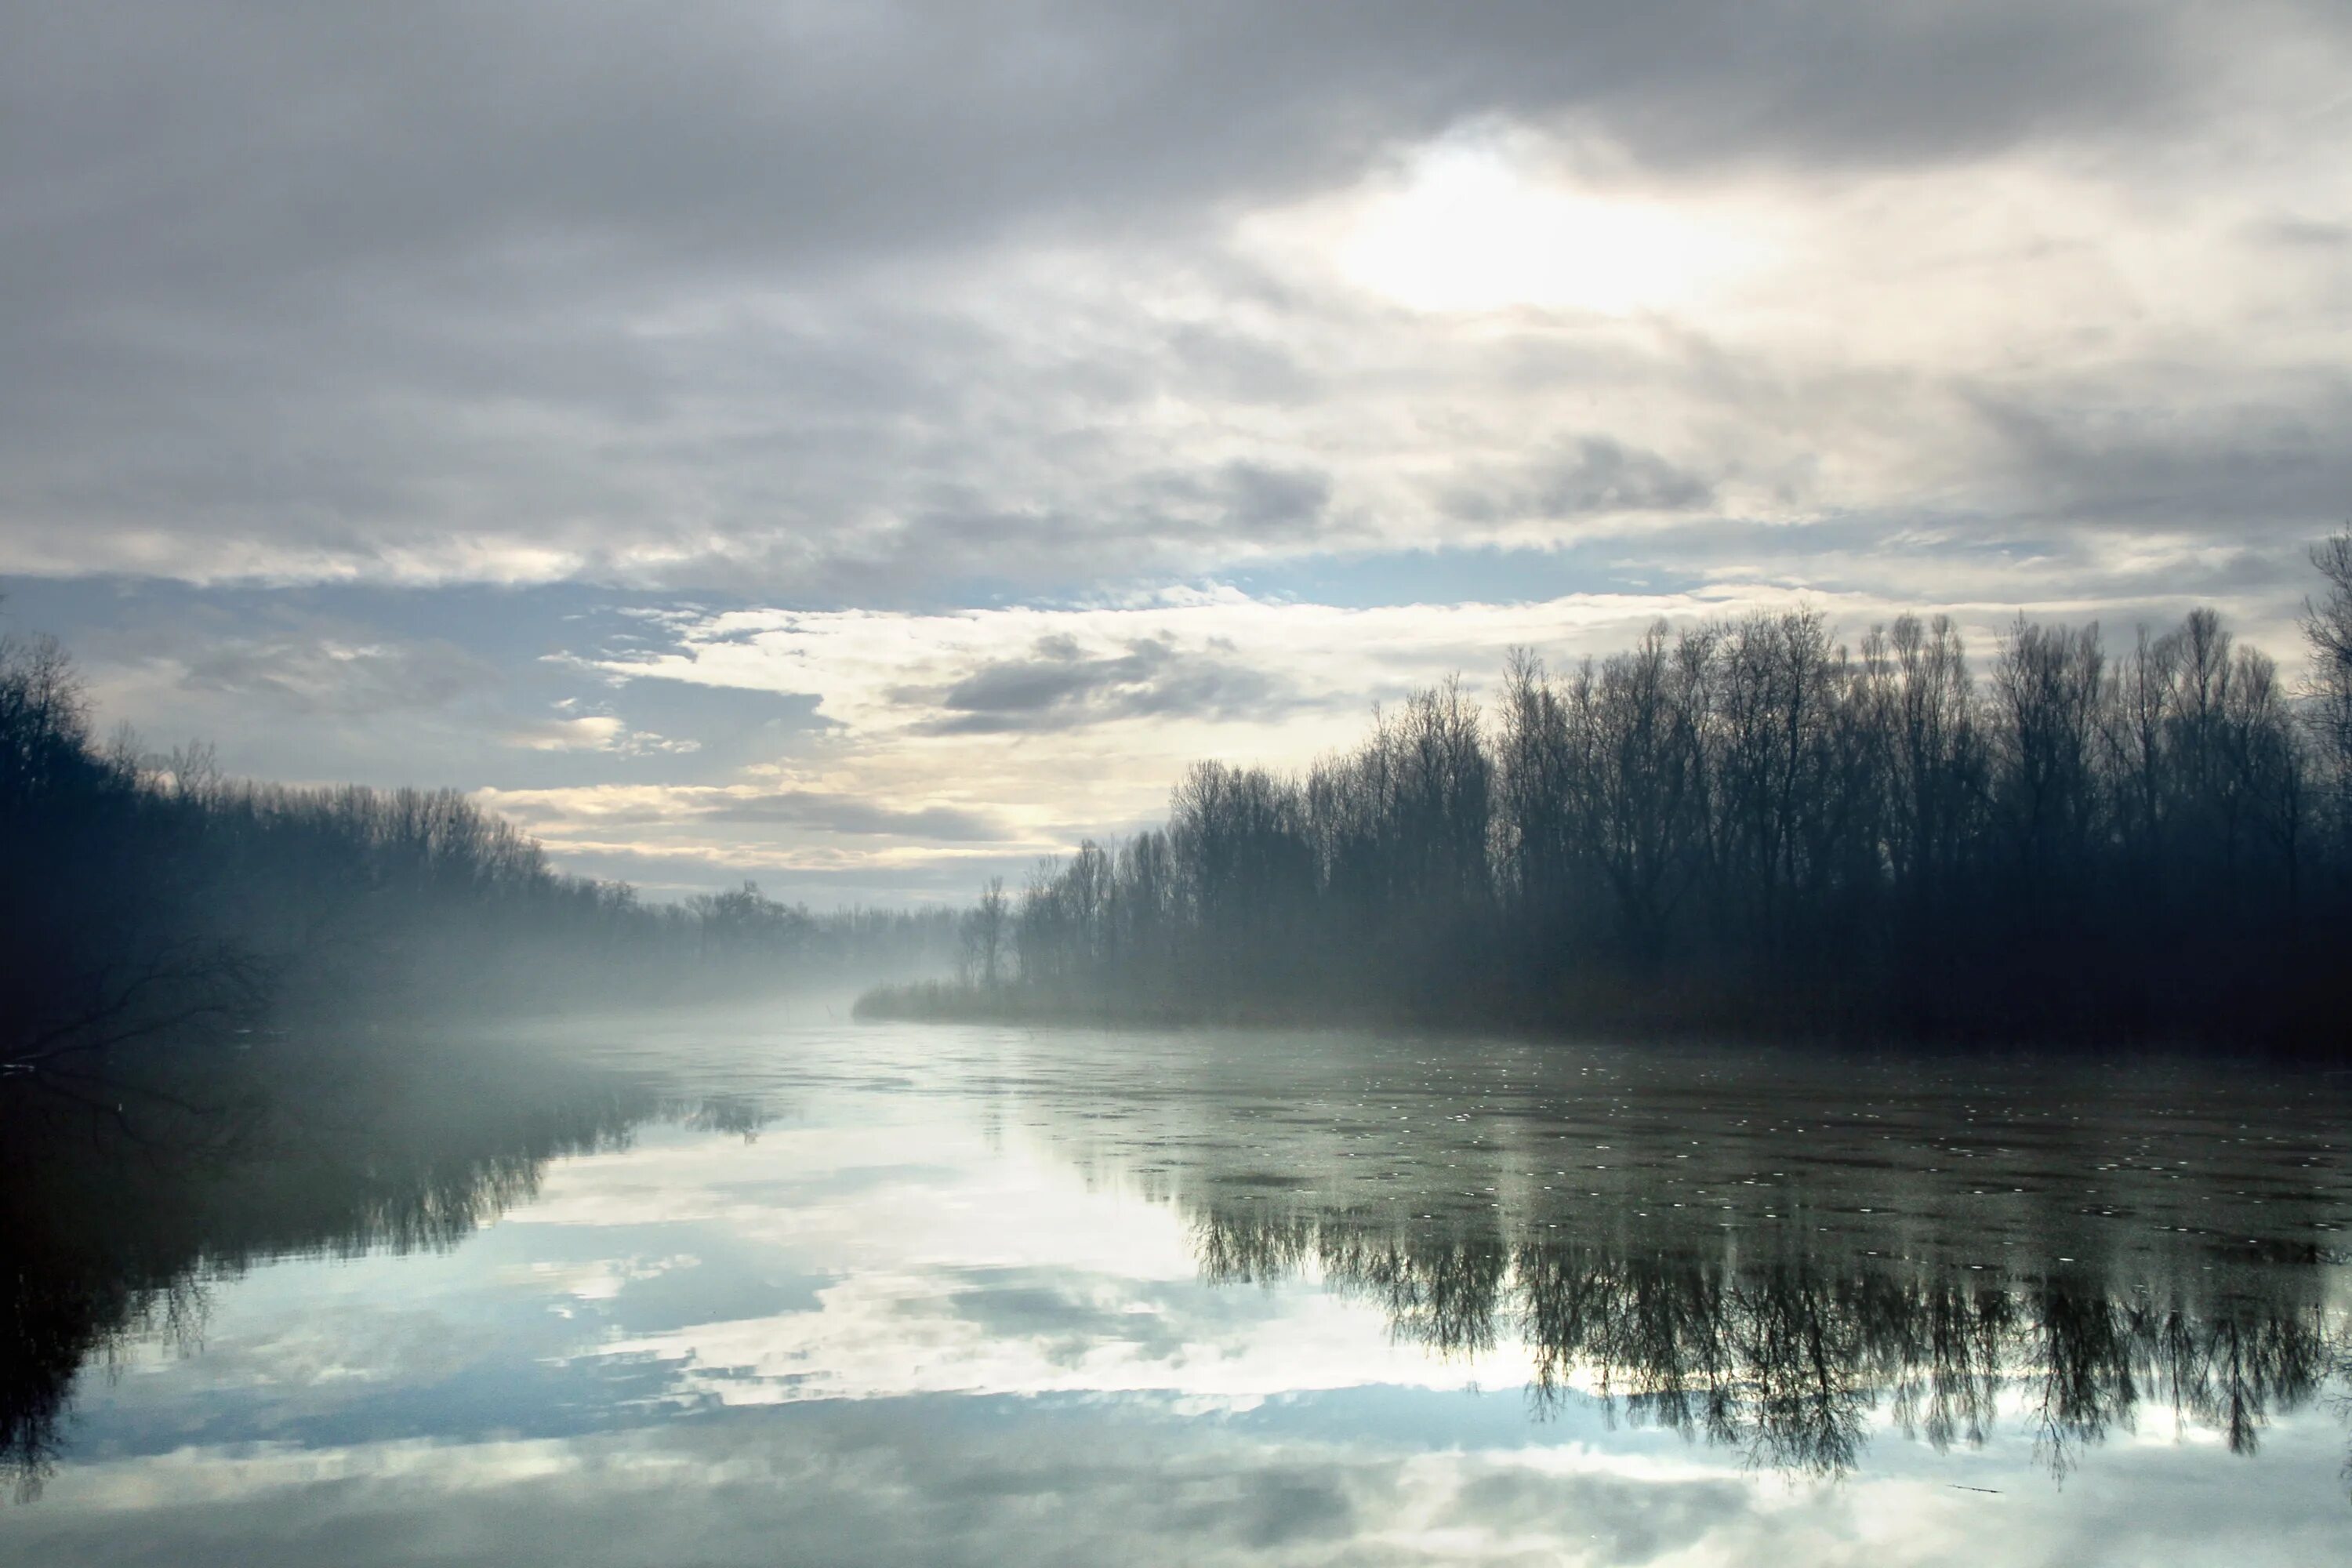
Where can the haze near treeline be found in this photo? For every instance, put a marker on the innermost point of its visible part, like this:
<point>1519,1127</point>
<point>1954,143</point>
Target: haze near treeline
<point>1732,825</point>
<point>1101,781</point>
<point>148,900</point>
<point>1749,826</point>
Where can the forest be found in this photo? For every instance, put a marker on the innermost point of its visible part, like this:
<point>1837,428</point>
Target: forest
<point>1752,825</point>
<point>145,898</point>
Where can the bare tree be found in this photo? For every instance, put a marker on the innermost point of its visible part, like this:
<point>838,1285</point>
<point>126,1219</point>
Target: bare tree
<point>2328,630</point>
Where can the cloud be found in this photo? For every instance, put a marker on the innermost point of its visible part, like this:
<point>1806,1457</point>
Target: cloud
<point>989,344</point>
<point>830,813</point>
<point>867,306</point>
<point>2265,466</point>
<point>340,679</point>
<point>861,845</point>
<point>578,731</point>
<point>1211,667</point>
<point>594,732</point>
<point>1257,500</point>
<point>955,744</point>
<point>1593,474</point>
<point>1059,685</point>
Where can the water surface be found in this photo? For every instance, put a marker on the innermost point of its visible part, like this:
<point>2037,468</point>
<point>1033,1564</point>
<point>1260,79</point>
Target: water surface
<point>732,1289</point>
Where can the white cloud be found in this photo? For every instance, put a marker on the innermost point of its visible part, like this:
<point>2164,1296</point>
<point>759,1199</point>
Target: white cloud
<point>592,733</point>
<point>955,744</point>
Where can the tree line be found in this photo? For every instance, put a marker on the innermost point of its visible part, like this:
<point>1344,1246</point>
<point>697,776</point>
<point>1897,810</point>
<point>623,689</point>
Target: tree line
<point>144,897</point>
<point>1749,824</point>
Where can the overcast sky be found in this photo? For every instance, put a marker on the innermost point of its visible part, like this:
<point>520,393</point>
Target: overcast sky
<point>866,446</point>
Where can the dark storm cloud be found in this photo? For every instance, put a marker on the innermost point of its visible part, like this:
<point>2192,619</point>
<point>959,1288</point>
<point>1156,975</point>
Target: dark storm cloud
<point>1061,685</point>
<point>300,290</point>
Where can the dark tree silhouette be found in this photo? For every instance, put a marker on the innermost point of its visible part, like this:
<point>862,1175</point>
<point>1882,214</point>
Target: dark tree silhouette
<point>150,899</point>
<point>1750,825</point>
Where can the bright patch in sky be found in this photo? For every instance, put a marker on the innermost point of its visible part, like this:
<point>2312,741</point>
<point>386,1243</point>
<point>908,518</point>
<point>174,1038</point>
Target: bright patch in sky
<point>1470,229</point>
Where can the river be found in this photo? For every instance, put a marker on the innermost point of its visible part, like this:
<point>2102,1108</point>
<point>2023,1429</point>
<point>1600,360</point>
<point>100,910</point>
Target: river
<point>764,1287</point>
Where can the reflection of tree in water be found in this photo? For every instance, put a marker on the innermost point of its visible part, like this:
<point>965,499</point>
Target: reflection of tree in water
<point>1782,1251</point>
<point>1791,1359</point>
<point>121,1199</point>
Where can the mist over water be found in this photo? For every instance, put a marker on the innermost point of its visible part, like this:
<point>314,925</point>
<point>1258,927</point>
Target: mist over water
<point>683,1286</point>
<point>372,1191</point>
<point>1078,784</point>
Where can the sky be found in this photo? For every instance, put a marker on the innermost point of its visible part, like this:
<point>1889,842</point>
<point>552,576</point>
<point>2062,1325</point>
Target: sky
<point>865,447</point>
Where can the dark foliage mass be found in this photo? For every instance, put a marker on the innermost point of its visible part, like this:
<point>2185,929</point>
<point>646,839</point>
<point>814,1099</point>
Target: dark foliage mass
<point>1750,825</point>
<point>141,898</point>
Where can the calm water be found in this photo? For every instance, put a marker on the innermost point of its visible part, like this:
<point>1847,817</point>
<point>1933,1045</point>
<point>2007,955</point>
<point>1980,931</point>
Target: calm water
<point>738,1290</point>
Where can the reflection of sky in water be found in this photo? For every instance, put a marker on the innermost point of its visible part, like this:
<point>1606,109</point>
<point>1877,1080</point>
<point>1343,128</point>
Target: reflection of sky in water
<point>955,1310</point>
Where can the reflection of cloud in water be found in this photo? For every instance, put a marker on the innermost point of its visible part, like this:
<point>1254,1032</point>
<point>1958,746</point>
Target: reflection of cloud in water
<point>951,1480</point>
<point>1780,1252</point>
<point>1080,1299</point>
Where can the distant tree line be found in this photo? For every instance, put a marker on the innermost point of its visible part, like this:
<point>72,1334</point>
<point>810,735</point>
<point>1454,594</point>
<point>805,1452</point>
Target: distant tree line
<point>1750,824</point>
<point>142,897</point>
